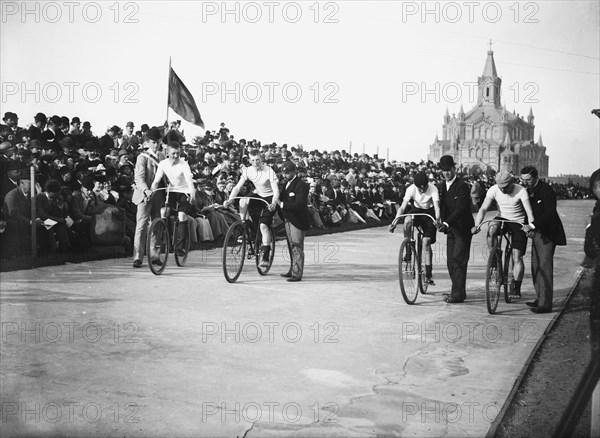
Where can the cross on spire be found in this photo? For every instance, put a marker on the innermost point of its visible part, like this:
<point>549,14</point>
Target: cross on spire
<point>490,45</point>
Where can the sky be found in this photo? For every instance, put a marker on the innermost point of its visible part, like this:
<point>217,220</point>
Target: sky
<point>327,75</point>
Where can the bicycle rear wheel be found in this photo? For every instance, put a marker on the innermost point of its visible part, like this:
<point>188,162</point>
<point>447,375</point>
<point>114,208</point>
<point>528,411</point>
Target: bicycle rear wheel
<point>157,246</point>
<point>263,270</point>
<point>408,272</point>
<point>493,279</point>
<point>234,251</point>
<point>181,251</point>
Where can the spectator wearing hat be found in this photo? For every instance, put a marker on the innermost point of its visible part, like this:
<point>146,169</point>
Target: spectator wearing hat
<point>75,126</point>
<point>125,202</point>
<point>84,204</point>
<point>10,180</point>
<point>50,206</point>
<point>110,140</point>
<point>148,203</point>
<point>87,129</point>
<point>11,121</point>
<point>130,140</point>
<point>546,232</point>
<point>294,205</point>
<point>64,125</point>
<point>513,205</point>
<point>39,125</point>
<point>17,213</point>
<point>425,200</point>
<point>456,220</point>
<point>52,135</point>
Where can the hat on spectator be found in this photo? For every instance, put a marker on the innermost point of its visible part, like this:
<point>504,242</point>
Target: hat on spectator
<point>447,162</point>
<point>503,178</point>
<point>115,129</point>
<point>9,115</point>
<point>145,127</point>
<point>13,165</point>
<point>64,120</point>
<point>40,117</point>
<point>421,180</point>
<point>153,134</point>
<point>4,146</point>
<point>66,142</point>
<point>288,166</point>
<point>123,152</point>
<point>55,120</point>
<point>130,124</point>
<point>75,120</point>
<point>87,182</point>
<point>87,124</point>
<point>35,143</point>
<point>25,173</point>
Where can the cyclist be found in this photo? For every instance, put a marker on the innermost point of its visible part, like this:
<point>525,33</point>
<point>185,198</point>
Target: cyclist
<point>426,199</point>
<point>266,187</point>
<point>181,187</point>
<point>513,204</point>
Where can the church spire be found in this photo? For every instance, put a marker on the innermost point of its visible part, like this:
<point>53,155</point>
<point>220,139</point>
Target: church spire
<point>540,143</point>
<point>489,83</point>
<point>489,70</point>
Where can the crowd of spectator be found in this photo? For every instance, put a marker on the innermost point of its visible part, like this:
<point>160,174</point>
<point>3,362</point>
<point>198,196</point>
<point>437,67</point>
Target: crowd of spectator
<point>84,182</point>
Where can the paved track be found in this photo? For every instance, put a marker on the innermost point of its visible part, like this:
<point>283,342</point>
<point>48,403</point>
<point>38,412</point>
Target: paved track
<point>102,349</point>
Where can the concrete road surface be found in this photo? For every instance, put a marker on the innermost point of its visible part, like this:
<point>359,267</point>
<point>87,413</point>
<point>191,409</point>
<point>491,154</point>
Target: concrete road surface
<point>101,349</point>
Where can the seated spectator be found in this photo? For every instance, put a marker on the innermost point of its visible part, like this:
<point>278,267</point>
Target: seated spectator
<point>130,208</point>
<point>50,207</point>
<point>84,204</point>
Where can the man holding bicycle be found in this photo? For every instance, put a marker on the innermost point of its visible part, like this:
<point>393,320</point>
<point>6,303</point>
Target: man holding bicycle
<point>513,205</point>
<point>180,185</point>
<point>426,199</point>
<point>266,187</point>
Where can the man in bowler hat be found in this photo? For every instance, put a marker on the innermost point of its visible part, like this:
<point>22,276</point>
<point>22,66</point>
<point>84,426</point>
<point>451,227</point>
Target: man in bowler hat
<point>294,205</point>
<point>148,202</point>
<point>456,220</point>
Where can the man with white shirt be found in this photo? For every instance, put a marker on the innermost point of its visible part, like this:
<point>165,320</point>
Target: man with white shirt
<point>513,205</point>
<point>426,199</point>
<point>266,188</point>
<point>181,186</point>
<point>148,203</point>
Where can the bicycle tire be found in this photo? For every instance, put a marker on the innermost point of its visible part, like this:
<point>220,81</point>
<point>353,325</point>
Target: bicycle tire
<point>408,272</point>
<point>493,279</point>
<point>157,246</point>
<point>263,270</point>
<point>507,267</point>
<point>234,251</point>
<point>180,260</point>
<point>423,285</point>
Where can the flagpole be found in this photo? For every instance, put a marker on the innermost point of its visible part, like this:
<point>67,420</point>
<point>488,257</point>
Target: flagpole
<point>168,92</point>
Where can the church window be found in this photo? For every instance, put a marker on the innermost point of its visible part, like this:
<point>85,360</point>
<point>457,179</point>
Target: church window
<point>487,92</point>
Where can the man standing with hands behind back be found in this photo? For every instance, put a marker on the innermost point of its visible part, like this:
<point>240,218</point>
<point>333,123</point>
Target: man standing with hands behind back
<point>148,203</point>
<point>456,221</point>
<point>546,231</point>
<point>294,205</point>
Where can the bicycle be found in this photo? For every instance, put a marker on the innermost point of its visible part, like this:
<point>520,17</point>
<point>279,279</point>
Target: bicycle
<point>411,270</point>
<point>499,272</point>
<point>239,244</point>
<point>159,243</point>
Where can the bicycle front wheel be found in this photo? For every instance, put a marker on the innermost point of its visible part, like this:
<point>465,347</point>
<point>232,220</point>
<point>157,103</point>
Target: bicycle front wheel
<point>157,246</point>
<point>493,279</point>
<point>234,251</point>
<point>182,248</point>
<point>408,272</point>
<point>263,268</point>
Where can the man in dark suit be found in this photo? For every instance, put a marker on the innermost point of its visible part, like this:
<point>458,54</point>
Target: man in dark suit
<point>546,232</point>
<point>456,221</point>
<point>294,205</point>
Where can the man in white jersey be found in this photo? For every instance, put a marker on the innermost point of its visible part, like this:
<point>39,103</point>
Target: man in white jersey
<point>513,204</point>
<point>266,187</point>
<point>426,199</point>
<point>181,186</point>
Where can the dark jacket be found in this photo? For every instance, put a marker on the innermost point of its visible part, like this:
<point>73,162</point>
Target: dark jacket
<point>455,206</point>
<point>547,220</point>
<point>295,204</point>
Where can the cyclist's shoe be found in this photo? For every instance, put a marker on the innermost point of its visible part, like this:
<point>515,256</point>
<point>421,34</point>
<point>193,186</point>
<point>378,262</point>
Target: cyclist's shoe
<point>157,262</point>
<point>264,263</point>
<point>180,252</point>
<point>429,281</point>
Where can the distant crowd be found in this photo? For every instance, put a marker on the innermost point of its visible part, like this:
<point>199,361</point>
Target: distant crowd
<point>84,182</point>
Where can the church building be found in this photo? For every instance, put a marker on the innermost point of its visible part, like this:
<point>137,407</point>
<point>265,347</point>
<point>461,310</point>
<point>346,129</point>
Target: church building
<point>488,137</point>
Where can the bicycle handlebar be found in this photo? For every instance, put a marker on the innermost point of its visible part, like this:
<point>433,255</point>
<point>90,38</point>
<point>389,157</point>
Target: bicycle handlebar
<point>499,219</point>
<point>416,214</point>
<point>250,198</point>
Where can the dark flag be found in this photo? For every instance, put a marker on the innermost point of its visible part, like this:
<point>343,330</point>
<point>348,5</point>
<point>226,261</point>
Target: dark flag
<point>182,101</point>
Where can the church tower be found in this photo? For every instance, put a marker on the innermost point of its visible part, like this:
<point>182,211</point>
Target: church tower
<point>489,84</point>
